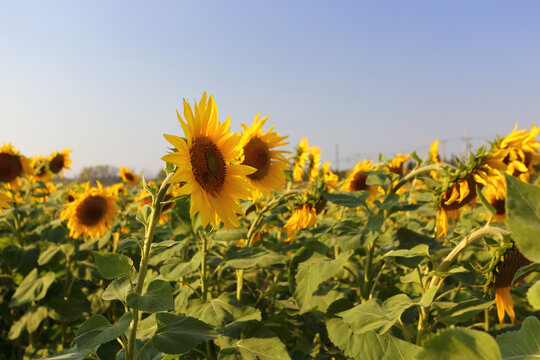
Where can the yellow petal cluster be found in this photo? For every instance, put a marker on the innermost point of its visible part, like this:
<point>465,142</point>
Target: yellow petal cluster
<point>302,218</point>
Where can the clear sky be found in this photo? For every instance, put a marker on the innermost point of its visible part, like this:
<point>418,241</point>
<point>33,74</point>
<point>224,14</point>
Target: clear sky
<point>104,78</point>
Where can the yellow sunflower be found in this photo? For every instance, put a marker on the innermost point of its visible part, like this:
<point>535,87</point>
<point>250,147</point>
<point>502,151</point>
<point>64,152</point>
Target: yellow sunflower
<point>12,165</point>
<point>314,161</point>
<point>520,151</point>
<point>434,156</point>
<point>496,197</point>
<point>300,158</point>
<point>505,271</point>
<point>459,194</point>
<point>396,164</point>
<point>91,213</point>
<point>205,164</point>
<point>128,176</point>
<point>330,179</point>
<point>356,181</point>
<point>60,161</point>
<point>40,167</point>
<point>260,153</point>
<point>302,218</point>
<point>43,193</point>
<point>4,199</point>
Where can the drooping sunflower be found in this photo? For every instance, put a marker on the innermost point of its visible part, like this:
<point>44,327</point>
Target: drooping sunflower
<point>504,273</point>
<point>456,195</point>
<point>314,161</point>
<point>60,161</point>
<point>302,218</point>
<point>40,167</point>
<point>128,176</point>
<point>521,152</point>
<point>4,199</point>
<point>356,181</point>
<point>299,159</point>
<point>396,164</point>
<point>12,165</point>
<point>205,164</point>
<point>260,153</point>
<point>91,213</point>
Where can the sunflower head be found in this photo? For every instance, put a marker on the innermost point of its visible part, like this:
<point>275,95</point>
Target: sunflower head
<point>91,213</point>
<point>314,161</point>
<point>207,164</point>
<point>396,164</point>
<point>357,179</point>
<point>128,176</point>
<point>303,217</point>
<point>261,153</point>
<point>496,197</point>
<point>434,156</point>
<point>4,201</point>
<point>12,165</point>
<point>329,177</point>
<point>520,152</point>
<point>40,168</point>
<point>60,161</point>
<point>299,159</point>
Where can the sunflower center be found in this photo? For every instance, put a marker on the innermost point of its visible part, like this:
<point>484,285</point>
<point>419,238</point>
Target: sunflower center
<point>56,164</point>
<point>498,204</point>
<point>92,210</point>
<point>257,155</point>
<point>457,204</point>
<point>359,182</point>
<point>10,167</point>
<point>208,165</point>
<point>129,177</point>
<point>507,268</point>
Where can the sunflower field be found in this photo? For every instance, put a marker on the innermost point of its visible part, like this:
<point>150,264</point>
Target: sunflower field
<point>243,250</point>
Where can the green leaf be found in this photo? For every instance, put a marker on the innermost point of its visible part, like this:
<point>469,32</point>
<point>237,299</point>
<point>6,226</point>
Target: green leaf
<point>368,345</point>
<point>523,344</point>
<point>261,349</point>
<point>32,288</point>
<point>309,249</point>
<point>463,311</point>
<point>460,344</point>
<point>347,199</point>
<point>112,266</point>
<point>491,210</point>
<point>118,289</point>
<point>49,254</point>
<point>158,297</point>
<point>533,295</point>
<point>412,277</point>
<point>523,216</point>
<point>524,270</point>
<point>71,354</point>
<point>243,257</point>
<point>178,334</point>
<point>97,330</point>
<point>418,250</point>
<point>222,310</point>
<point>29,321</point>
<point>143,215</point>
<point>312,273</point>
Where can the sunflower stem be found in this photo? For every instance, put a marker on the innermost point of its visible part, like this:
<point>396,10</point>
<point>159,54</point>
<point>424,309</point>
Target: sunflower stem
<point>145,255</point>
<point>204,248</point>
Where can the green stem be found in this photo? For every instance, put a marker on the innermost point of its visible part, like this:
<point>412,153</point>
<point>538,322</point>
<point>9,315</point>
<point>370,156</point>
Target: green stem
<point>145,254</point>
<point>417,172</point>
<point>368,272</point>
<point>204,284</point>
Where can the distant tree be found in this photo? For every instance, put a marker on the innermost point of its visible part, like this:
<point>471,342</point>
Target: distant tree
<point>105,174</point>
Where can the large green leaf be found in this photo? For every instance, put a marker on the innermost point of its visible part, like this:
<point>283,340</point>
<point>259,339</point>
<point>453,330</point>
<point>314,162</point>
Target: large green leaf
<point>523,216</point>
<point>523,344</point>
<point>118,289</point>
<point>462,311</point>
<point>256,349</point>
<point>222,310</point>
<point>32,288</point>
<point>460,344</point>
<point>312,273</point>
<point>368,345</point>
<point>29,321</point>
<point>533,295</point>
<point>158,297</point>
<point>112,266</point>
<point>244,257</point>
<point>97,330</point>
<point>71,354</point>
<point>347,199</point>
<point>178,334</point>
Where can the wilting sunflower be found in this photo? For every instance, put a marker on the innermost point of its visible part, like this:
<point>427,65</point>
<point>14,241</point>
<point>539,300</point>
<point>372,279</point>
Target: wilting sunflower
<point>60,161</point>
<point>128,176</point>
<point>260,153</point>
<point>12,165</point>
<point>40,167</point>
<point>314,161</point>
<point>302,218</point>
<point>356,181</point>
<point>91,213</point>
<point>505,271</point>
<point>4,199</point>
<point>396,164</point>
<point>204,161</point>
<point>299,159</point>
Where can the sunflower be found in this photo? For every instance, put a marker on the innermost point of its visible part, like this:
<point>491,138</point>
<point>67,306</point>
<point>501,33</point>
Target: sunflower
<point>12,165</point>
<point>330,179</point>
<point>91,213</point>
<point>357,178</point>
<point>497,198</point>
<point>314,161</point>
<point>520,151</point>
<point>204,161</point>
<point>504,273</point>
<point>300,158</point>
<point>396,164</point>
<point>260,153</point>
<point>434,156</point>
<point>40,167</point>
<point>4,199</point>
<point>457,195</point>
<point>128,176</point>
<point>302,218</point>
<point>60,161</point>
<point>43,192</point>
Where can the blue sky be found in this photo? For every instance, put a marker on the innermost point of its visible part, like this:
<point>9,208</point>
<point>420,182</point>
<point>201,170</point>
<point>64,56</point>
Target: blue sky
<point>104,78</point>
